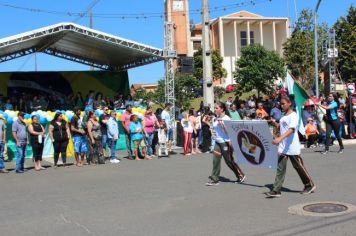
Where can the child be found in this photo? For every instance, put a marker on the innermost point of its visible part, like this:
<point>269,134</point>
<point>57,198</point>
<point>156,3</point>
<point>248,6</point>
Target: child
<point>289,147</point>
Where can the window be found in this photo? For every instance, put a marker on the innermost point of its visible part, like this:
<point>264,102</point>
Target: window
<point>243,36</point>
<point>196,45</point>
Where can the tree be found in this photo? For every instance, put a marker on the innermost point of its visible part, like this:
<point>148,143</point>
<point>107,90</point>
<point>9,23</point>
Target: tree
<point>345,29</point>
<point>219,72</point>
<point>298,50</point>
<point>258,68</point>
<point>144,95</point>
<point>185,87</point>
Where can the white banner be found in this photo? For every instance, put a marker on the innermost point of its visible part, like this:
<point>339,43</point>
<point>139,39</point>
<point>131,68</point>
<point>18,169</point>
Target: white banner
<point>252,143</point>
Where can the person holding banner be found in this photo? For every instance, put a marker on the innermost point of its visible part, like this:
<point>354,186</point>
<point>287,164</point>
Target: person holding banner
<point>332,122</point>
<point>223,147</point>
<point>289,147</point>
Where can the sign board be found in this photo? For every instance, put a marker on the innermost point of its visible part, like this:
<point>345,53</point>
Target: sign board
<point>252,143</point>
<point>351,88</point>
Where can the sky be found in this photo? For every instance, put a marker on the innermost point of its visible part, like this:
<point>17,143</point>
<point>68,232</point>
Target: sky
<point>148,30</point>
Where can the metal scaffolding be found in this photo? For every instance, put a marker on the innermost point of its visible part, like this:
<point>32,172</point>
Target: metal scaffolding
<point>80,44</point>
<point>169,54</point>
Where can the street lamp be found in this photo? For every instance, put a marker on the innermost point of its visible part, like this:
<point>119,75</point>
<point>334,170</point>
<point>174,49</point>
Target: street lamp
<point>316,50</point>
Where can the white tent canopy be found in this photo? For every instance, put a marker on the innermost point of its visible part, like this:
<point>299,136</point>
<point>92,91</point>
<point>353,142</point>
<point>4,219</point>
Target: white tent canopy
<point>80,44</point>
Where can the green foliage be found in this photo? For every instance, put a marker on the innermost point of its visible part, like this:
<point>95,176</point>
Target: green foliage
<point>345,29</point>
<point>185,87</point>
<point>216,60</point>
<point>298,50</point>
<point>142,94</point>
<point>258,68</point>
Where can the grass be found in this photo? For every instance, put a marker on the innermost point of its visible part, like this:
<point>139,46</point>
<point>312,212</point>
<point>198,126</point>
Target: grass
<point>196,102</point>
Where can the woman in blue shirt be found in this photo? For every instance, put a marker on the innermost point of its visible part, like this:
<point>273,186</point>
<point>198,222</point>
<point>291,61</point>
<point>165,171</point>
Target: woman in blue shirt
<point>137,134</point>
<point>332,122</point>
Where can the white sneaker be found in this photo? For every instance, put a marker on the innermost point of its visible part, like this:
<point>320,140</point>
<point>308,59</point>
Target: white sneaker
<point>115,161</point>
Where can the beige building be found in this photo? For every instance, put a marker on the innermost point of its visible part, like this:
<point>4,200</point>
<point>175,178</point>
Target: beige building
<point>229,35</point>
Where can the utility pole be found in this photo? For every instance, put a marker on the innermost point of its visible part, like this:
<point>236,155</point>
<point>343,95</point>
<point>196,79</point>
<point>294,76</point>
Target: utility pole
<point>316,72</point>
<point>208,92</point>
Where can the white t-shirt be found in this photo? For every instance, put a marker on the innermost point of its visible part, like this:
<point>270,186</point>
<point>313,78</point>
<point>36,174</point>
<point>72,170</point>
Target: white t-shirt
<point>167,118</point>
<point>187,125</point>
<point>291,144</point>
<point>220,132</point>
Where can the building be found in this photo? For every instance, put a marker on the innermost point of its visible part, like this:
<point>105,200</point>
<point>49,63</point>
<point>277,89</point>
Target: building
<point>146,87</point>
<point>228,34</point>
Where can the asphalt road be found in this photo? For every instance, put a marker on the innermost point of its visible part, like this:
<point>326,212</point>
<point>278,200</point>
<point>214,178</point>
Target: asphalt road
<point>168,197</point>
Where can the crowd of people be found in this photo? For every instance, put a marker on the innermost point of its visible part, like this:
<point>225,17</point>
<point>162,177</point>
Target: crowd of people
<point>28,102</point>
<point>203,131</point>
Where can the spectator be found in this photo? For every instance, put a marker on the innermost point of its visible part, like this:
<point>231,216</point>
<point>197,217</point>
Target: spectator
<point>113,135</point>
<point>332,122</point>
<point>98,103</point>
<point>243,111</point>
<point>2,144</point>
<point>104,130</point>
<point>8,105</point>
<point>37,133</point>
<point>89,101</point>
<point>36,104</point>
<point>129,100</point>
<point>78,137</point>
<point>168,121</point>
<point>233,112</point>
<point>229,101</point>
<point>78,100</point>
<point>94,133</point>
<point>260,112</point>
<point>19,133</point>
<point>119,102</point>
<point>150,124</point>
<point>187,134</point>
<point>206,130</point>
<point>125,119</point>
<point>276,112</point>
<point>60,134</point>
<point>137,136</point>
<point>311,133</point>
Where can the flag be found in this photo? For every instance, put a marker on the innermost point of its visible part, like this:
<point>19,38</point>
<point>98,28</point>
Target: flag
<point>300,97</point>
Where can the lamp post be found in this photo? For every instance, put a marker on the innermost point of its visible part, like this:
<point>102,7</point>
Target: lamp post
<point>316,50</point>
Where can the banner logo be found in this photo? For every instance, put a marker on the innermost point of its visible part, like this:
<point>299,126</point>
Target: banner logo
<point>251,147</point>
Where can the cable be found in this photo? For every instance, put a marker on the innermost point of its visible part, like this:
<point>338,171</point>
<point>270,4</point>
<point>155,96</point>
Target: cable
<point>54,39</point>
<point>124,16</point>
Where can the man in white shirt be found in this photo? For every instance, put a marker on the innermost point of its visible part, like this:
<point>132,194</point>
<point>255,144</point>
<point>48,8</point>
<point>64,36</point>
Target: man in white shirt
<point>168,120</point>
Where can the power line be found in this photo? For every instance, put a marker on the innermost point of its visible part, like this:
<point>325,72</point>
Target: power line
<point>53,40</point>
<point>147,15</point>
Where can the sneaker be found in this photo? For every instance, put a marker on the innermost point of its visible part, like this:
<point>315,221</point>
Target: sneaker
<point>313,146</point>
<point>341,150</point>
<point>309,190</point>
<point>273,194</point>
<point>325,152</point>
<point>20,171</point>
<point>212,183</point>
<point>240,179</point>
<point>114,161</point>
